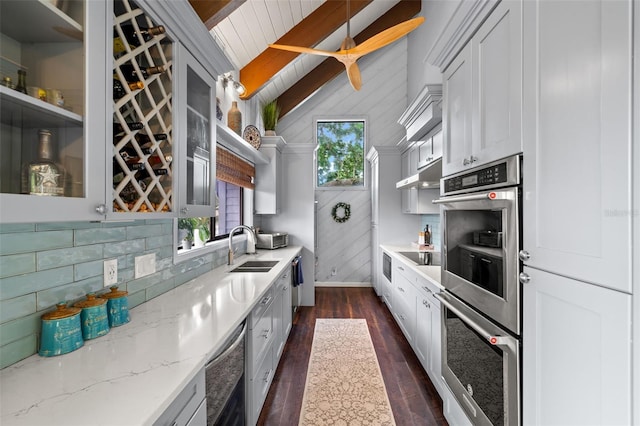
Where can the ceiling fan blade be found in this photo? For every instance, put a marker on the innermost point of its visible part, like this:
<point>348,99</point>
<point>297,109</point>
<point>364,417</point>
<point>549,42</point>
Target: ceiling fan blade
<point>300,49</point>
<point>353,72</point>
<point>387,36</point>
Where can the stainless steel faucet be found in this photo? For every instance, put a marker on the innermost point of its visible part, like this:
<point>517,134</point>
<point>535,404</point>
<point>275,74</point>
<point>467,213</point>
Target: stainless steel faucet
<point>252,235</point>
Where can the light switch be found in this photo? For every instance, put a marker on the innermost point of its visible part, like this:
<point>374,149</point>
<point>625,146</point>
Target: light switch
<point>145,265</point>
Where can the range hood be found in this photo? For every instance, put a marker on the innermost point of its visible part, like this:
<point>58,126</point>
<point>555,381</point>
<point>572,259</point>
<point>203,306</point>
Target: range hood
<point>427,178</point>
<point>423,115</point>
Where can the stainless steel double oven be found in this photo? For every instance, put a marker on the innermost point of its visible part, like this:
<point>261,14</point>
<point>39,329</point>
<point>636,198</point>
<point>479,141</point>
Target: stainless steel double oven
<point>481,303</point>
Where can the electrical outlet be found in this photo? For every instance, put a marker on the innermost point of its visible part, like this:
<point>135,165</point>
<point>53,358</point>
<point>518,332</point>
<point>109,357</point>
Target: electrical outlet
<point>145,265</point>
<point>110,272</point>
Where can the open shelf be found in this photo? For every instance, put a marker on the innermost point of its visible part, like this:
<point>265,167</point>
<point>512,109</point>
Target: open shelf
<point>18,17</point>
<point>34,112</point>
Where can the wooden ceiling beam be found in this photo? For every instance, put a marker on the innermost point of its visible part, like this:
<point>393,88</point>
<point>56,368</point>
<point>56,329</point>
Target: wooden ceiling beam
<point>317,26</point>
<point>330,68</point>
<point>211,12</point>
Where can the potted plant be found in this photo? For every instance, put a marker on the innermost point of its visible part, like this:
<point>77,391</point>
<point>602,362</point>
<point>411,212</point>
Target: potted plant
<point>201,226</point>
<point>270,114</point>
<point>185,232</point>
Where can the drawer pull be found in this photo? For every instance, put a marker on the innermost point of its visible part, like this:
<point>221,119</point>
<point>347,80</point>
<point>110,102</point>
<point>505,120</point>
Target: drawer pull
<point>266,376</point>
<point>401,289</point>
<point>266,300</point>
<point>401,268</point>
<point>427,289</point>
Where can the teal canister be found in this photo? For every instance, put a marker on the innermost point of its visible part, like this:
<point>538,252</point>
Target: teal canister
<point>93,317</point>
<point>61,331</point>
<point>117,306</point>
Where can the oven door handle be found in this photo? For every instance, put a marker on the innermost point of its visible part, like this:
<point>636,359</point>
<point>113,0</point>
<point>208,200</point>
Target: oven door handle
<point>504,341</point>
<point>491,196</point>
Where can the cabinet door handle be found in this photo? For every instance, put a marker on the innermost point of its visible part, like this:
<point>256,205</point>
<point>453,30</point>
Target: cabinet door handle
<point>524,255</point>
<point>524,278</point>
<point>425,303</point>
<point>401,268</point>
<point>101,208</point>
<point>472,159</point>
<point>427,289</point>
<point>465,162</point>
<point>265,333</point>
<point>401,289</point>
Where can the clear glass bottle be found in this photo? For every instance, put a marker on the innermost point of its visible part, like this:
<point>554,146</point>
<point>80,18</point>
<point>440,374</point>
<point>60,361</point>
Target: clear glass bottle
<point>43,176</point>
<point>22,82</point>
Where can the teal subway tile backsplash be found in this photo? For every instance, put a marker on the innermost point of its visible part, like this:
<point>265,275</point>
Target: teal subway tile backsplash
<point>93,236</point>
<point>21,285</point>
<point>134,232</point>
<point>17,307</point>
<point>43,264</point>
<point>68,256</point>
<point>17,264</point>
<point>27,242</point>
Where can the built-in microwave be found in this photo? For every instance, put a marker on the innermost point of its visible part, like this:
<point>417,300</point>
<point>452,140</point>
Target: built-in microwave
<point>386,266</point>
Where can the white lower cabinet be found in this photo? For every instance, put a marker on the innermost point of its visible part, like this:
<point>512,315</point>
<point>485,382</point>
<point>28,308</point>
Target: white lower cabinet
<point>427,342</point>
<point>282,313</point>
<point>189,407</point>
<point>269,325</point>
<point>576,352</point>
<point>404,300</point>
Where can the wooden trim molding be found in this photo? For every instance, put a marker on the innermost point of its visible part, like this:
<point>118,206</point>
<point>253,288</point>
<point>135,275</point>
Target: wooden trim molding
<point>212,12</point>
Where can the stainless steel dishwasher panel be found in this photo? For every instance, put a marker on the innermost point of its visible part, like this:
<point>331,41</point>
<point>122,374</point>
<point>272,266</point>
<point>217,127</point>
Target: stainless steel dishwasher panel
<point>225,382</point>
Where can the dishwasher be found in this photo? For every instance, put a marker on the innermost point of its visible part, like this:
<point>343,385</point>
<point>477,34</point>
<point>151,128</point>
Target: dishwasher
<point>225,383</point>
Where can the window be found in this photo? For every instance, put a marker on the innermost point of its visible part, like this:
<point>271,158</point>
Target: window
<point>340,153</point>
<point>233,175</point>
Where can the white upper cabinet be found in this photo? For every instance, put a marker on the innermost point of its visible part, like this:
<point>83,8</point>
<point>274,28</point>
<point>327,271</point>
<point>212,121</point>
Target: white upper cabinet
<point>62,52</point>
<point>268,190</point>
<point>577,172</point>
<point>196,125</point>
<point>483,93</point>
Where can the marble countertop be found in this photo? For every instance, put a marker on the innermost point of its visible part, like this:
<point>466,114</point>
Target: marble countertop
<point>431,273</point>
<point>132,374</point>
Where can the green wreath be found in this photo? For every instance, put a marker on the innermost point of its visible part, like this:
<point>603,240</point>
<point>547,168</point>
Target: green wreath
<point>347,212</point>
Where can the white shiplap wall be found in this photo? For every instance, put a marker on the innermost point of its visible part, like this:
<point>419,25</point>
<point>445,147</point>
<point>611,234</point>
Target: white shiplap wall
<point>382,99</point>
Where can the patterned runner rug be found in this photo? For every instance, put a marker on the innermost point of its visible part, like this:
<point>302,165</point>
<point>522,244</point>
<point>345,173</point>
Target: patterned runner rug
<point>344,384</point>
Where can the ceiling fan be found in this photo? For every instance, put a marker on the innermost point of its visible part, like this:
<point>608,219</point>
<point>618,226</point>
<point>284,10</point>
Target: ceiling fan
<point>349,53</point>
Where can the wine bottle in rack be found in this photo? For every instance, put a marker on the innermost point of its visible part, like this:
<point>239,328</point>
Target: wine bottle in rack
<point>131,75</point>
<point>131,125</point>
<point>128,152</point>
<point>119,91</point>
<point>153,160</point>
<point>144,175</point>
<point>132,38</point>
<point>133,165</point>
<point>142,138</point>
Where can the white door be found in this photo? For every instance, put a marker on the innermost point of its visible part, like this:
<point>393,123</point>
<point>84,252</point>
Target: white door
<point>577,139</point>
<point>576,353</point>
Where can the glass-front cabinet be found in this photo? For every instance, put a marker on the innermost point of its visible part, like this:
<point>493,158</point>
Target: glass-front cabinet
<point>52,125</point>
<point>196,132</point>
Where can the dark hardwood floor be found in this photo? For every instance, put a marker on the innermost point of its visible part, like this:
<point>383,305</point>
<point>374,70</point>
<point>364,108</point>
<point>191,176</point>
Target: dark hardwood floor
<point>413,398</point>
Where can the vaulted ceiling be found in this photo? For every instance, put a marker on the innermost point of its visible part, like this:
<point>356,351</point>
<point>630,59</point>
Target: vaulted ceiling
<point>245,28</point>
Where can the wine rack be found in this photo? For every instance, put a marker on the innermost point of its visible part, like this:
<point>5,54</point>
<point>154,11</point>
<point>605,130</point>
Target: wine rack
<point>142,112</point>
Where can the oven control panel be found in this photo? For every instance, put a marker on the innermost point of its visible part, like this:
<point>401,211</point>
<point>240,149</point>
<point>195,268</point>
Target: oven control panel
<point>500,173</point>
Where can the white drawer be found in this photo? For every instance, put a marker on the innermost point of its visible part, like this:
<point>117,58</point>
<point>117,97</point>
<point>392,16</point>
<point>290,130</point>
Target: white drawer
<point>260,308</point>
<point>260,384</point>
<point>262,334</point>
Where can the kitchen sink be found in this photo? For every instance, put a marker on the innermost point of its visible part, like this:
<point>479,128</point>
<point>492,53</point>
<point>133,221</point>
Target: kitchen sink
<point>256,266</point>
